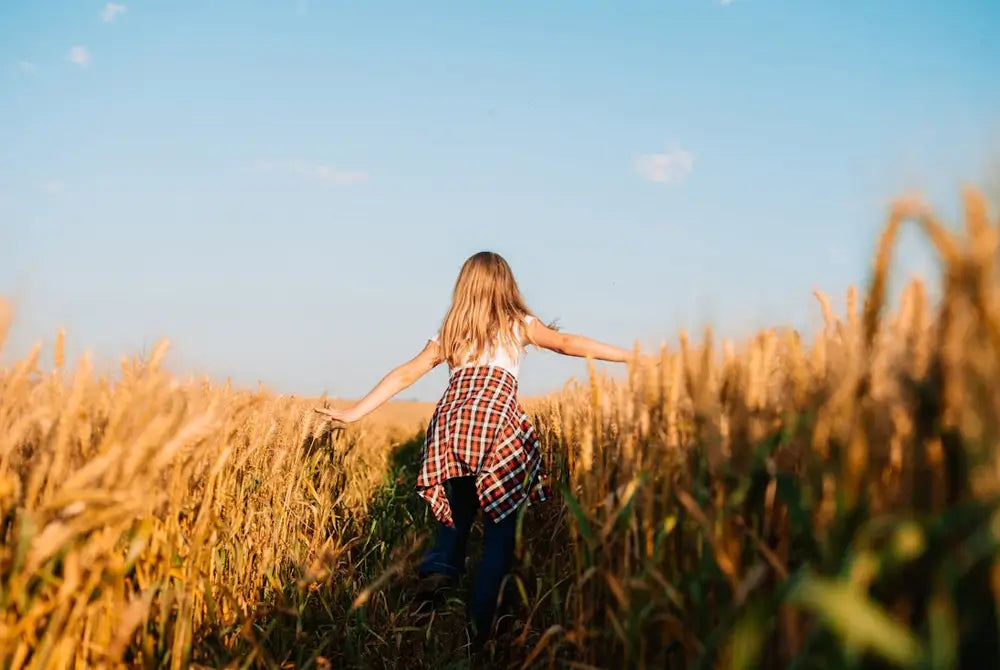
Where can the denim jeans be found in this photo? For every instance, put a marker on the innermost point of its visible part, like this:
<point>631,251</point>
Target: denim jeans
<point>447,556</point>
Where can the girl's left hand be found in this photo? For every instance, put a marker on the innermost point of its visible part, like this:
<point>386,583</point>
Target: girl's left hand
<point>340,415</point>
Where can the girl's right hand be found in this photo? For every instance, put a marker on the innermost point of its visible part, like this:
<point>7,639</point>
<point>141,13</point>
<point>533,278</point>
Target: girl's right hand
<point>339,415</point>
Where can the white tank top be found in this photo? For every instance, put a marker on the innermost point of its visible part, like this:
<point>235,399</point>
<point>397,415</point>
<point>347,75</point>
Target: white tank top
<point>499,358</point>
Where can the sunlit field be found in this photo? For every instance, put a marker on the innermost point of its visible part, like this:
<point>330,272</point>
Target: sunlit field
<point>779,502</point>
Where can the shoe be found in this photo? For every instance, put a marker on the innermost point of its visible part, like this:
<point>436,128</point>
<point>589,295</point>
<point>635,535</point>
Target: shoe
<point>431,590</point>
<point>477,638</point>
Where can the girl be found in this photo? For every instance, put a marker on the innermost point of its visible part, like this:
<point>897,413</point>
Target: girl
<point>480,450</point>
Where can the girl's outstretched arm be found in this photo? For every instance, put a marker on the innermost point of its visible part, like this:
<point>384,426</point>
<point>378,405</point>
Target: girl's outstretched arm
<point>577,345</point>
<point>400,378</point>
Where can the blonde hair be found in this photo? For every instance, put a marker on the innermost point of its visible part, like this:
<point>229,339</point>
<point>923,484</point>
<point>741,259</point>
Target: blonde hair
<point>486,309</point>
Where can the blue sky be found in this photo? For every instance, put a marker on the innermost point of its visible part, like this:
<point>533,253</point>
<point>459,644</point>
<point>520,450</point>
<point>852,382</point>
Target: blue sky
<point>287,189</point>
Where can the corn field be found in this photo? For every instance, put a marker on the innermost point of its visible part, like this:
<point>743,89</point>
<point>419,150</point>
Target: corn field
<point>772,503</point>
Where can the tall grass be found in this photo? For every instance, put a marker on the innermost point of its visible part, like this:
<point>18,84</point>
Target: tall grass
<point>829,505</point>
<point>777,503</point>
<point>147,519</point>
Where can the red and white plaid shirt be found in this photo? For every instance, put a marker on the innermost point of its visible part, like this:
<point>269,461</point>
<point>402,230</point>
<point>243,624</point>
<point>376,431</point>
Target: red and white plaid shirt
<point>479,428</point>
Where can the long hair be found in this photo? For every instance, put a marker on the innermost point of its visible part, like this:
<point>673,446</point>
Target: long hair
<point>486,309</point>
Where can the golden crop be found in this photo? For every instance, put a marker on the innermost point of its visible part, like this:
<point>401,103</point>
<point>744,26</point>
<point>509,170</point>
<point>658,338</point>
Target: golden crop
<point>827,503</point>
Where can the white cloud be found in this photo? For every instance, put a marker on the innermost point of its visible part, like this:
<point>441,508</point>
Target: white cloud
<point>726,2</point>
<point>27,67</point>
<point>80,56</point>
<point>667,168</point>
<point>52,186</point>
<point>111,12</point>
<point>318,171</point>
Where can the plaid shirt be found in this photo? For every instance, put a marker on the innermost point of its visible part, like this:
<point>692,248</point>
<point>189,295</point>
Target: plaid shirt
<point>479,428</point>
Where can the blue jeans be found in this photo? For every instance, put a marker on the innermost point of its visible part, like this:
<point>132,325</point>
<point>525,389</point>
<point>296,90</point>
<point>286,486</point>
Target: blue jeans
<point>447,556</point>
